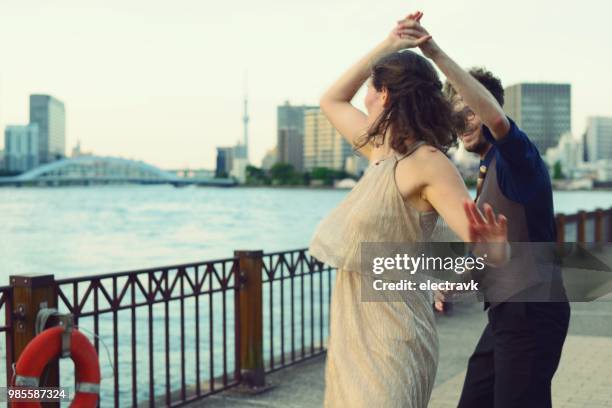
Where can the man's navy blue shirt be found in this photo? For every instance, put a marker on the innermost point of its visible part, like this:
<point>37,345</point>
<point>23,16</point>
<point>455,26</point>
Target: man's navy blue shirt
<point>523,178</point>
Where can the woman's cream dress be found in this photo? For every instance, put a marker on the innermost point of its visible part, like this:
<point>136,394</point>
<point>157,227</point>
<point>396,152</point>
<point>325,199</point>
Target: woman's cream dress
<point>380,354</point>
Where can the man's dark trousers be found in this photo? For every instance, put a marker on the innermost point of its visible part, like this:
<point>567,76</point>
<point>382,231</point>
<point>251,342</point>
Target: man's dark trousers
<point>517,356</point>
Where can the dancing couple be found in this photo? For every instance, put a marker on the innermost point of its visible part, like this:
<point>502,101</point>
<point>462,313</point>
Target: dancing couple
<point>385,354</point>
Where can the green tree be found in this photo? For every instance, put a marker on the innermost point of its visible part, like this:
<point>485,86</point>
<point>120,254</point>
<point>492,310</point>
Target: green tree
<point>256,176</point>
<point>558,171</point>
<point>282,174</point>
<point>470,182</point>
<point>327,175</point>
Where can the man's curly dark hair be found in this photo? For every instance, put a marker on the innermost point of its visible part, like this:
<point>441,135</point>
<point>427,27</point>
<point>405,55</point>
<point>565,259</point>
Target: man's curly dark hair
<point>486,78</point>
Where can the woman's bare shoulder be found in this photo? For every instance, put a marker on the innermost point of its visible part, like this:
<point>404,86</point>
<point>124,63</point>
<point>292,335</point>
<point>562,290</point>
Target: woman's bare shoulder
<point>430,161</point>
<point>427,155</point>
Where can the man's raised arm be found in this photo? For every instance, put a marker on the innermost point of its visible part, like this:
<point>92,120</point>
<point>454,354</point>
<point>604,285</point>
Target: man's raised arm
<point>474,94</point>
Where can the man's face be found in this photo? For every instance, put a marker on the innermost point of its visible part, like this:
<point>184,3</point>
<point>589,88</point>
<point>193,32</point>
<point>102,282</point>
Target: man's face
<point>472,138</point>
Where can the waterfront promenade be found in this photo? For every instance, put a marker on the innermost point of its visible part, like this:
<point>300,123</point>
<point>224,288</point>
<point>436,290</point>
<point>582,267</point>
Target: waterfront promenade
<point>584,378</point>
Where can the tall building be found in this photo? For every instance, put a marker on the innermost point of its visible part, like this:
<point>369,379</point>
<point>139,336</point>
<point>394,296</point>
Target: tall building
<point>290,134</point>
<point>225,157</point>
<point>21,147</point>
<point>239,151</point>
<point>323,145</point>
<point>269,159</point>
<point>50,116</point>
<point>238,170</point>
<point>568,153</point>
<point>542,110</point>
<point>239,162</point>
<point>598,138</point>
<point>290,145</point>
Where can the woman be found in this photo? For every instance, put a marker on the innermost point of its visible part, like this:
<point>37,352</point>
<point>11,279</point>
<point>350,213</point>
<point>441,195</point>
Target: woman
<point>384,354</point>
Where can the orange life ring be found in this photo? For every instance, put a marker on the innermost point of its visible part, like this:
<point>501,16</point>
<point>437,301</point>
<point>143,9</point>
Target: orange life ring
<point>47,346</point>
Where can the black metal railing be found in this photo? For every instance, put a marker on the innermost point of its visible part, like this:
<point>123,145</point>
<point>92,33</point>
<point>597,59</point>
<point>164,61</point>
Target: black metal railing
<point>147,315</point>
<point>167,336</point>
<point>301,286</point>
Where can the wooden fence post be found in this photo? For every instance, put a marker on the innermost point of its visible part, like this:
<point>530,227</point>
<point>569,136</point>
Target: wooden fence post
<point>581,227</point>
<point>599,225</point>
<point>29,293</point>
<point>249,318</point>
<point>560,218</point>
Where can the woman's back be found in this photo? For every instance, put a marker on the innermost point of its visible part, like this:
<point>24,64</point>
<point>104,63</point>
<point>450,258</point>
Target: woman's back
<point>374,211</point>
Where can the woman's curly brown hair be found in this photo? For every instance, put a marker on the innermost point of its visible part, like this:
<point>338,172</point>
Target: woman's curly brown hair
<point>416,106</point>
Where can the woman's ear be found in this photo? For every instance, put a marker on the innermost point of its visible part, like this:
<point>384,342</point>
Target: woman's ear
<point>384,94</point>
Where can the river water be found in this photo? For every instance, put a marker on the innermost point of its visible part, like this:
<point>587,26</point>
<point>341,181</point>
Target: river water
<point>77,231</point>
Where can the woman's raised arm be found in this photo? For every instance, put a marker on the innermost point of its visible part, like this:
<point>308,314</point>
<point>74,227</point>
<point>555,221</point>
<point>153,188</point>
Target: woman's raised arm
<point>336,101</point>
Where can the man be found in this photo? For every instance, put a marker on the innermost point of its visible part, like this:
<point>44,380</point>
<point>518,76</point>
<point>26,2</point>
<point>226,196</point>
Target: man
<point>520,348</point>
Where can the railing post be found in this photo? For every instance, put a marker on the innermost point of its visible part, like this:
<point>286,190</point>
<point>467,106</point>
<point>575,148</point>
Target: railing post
<point>599,225</point>
<point>250,318</point>
<point>581,227</point>
<point>29,292</point>
<point>560,228</point>
<point>8,336</point>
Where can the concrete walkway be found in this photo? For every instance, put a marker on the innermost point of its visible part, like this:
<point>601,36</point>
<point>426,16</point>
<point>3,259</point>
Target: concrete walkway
<point>584,378</point>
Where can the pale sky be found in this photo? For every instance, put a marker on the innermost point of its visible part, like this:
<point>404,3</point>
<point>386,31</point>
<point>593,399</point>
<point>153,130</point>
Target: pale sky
<point>162,81</point>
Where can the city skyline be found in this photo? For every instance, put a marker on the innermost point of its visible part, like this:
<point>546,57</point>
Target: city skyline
<point>157,84</point>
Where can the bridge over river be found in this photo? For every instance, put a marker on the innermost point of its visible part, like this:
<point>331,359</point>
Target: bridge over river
<point>88,170</point>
